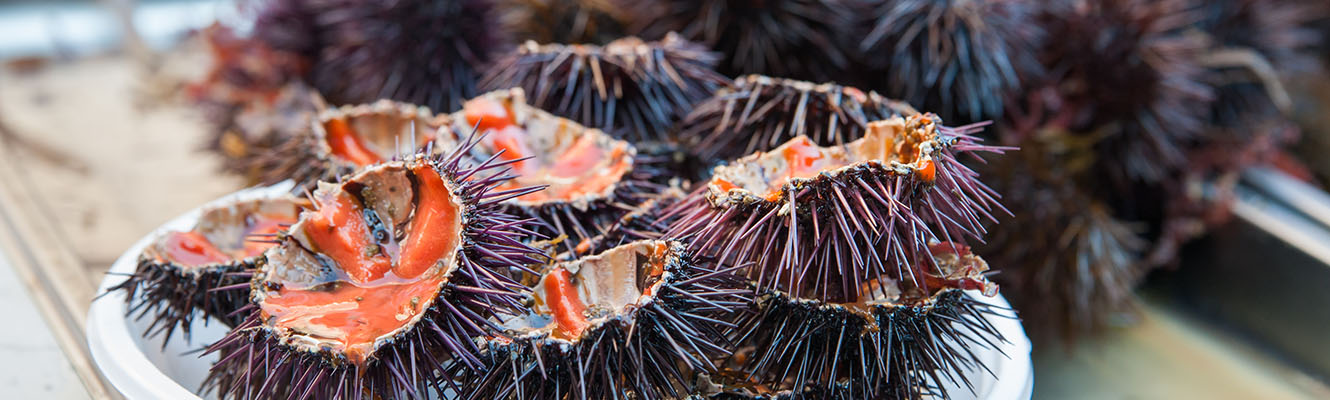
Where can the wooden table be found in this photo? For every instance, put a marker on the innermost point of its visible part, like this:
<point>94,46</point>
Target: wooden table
<point>97,152</point>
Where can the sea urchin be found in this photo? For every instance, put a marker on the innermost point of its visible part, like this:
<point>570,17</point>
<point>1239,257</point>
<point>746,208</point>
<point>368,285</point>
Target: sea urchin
<point>632,322</point>
<point>389,278</point>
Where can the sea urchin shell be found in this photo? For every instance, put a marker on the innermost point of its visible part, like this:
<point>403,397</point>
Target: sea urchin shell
<point>896,341</point>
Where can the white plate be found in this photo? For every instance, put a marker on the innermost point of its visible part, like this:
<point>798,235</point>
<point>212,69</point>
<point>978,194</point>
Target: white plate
<point>141,368</point>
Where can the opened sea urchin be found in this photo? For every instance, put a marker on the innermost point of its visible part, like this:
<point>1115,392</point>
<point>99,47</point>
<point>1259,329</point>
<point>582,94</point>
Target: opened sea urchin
<point>389,278</point>
<point>590,178</point>
<point>344,139</point>
<point>632,322</point>
<point>179,272</point>
<point>818,221</point>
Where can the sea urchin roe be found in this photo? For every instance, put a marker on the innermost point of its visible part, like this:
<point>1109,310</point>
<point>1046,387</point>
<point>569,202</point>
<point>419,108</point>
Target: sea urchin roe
<point>428,239</point>
<point>351,317</point>
<point>368,296</point>
<point>564,303</point>
<point>345,143</point>
<point>193,249</point>
<point>583,168</point>
<point>511,140</point>
<point>929,171</point>
<point>339,231</point>
<point>490,114</point>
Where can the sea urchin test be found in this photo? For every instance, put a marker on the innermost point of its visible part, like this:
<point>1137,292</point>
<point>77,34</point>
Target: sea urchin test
<point>390,276</point>
<point>900,339</point>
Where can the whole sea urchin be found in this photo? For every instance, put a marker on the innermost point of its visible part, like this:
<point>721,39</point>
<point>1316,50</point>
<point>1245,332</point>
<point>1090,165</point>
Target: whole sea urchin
<point>590,179</point>
<point>389,278</point>
<point>787,38</point>
<point>1069,264</point>
<point>179,275</point>
<point>632,322</point>
<point>252,96</point>
<point>1126,69</point>
<point>817,221</point>
<point>760,112</point>
<point>959,58</point>
<point>628,88</point>
<point>417,51</point>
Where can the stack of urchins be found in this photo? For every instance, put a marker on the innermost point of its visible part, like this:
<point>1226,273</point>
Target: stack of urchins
<point>1135,116</point>
<point>421,266</point>
<point>835,204</point>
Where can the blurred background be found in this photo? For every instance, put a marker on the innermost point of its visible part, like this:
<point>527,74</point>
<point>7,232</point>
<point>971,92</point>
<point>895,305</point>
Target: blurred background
<point>99,145</point>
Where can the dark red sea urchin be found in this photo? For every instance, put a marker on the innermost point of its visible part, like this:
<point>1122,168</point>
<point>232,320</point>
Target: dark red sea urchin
<point>629,88</point>
<point>632,322</point>
<point>1128,71</point>
<point>960,58</point>
<point>386,281</point>
<point>179,273</point>
<point>590,178</point>
<point>564,21</point>
<point>418,51</point>
<point>761,112</point>
<point>786,38</point>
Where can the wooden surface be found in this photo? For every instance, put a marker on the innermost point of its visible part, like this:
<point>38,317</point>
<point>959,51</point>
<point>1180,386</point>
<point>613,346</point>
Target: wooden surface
<point>96,153</point>
<point>89,162</point>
